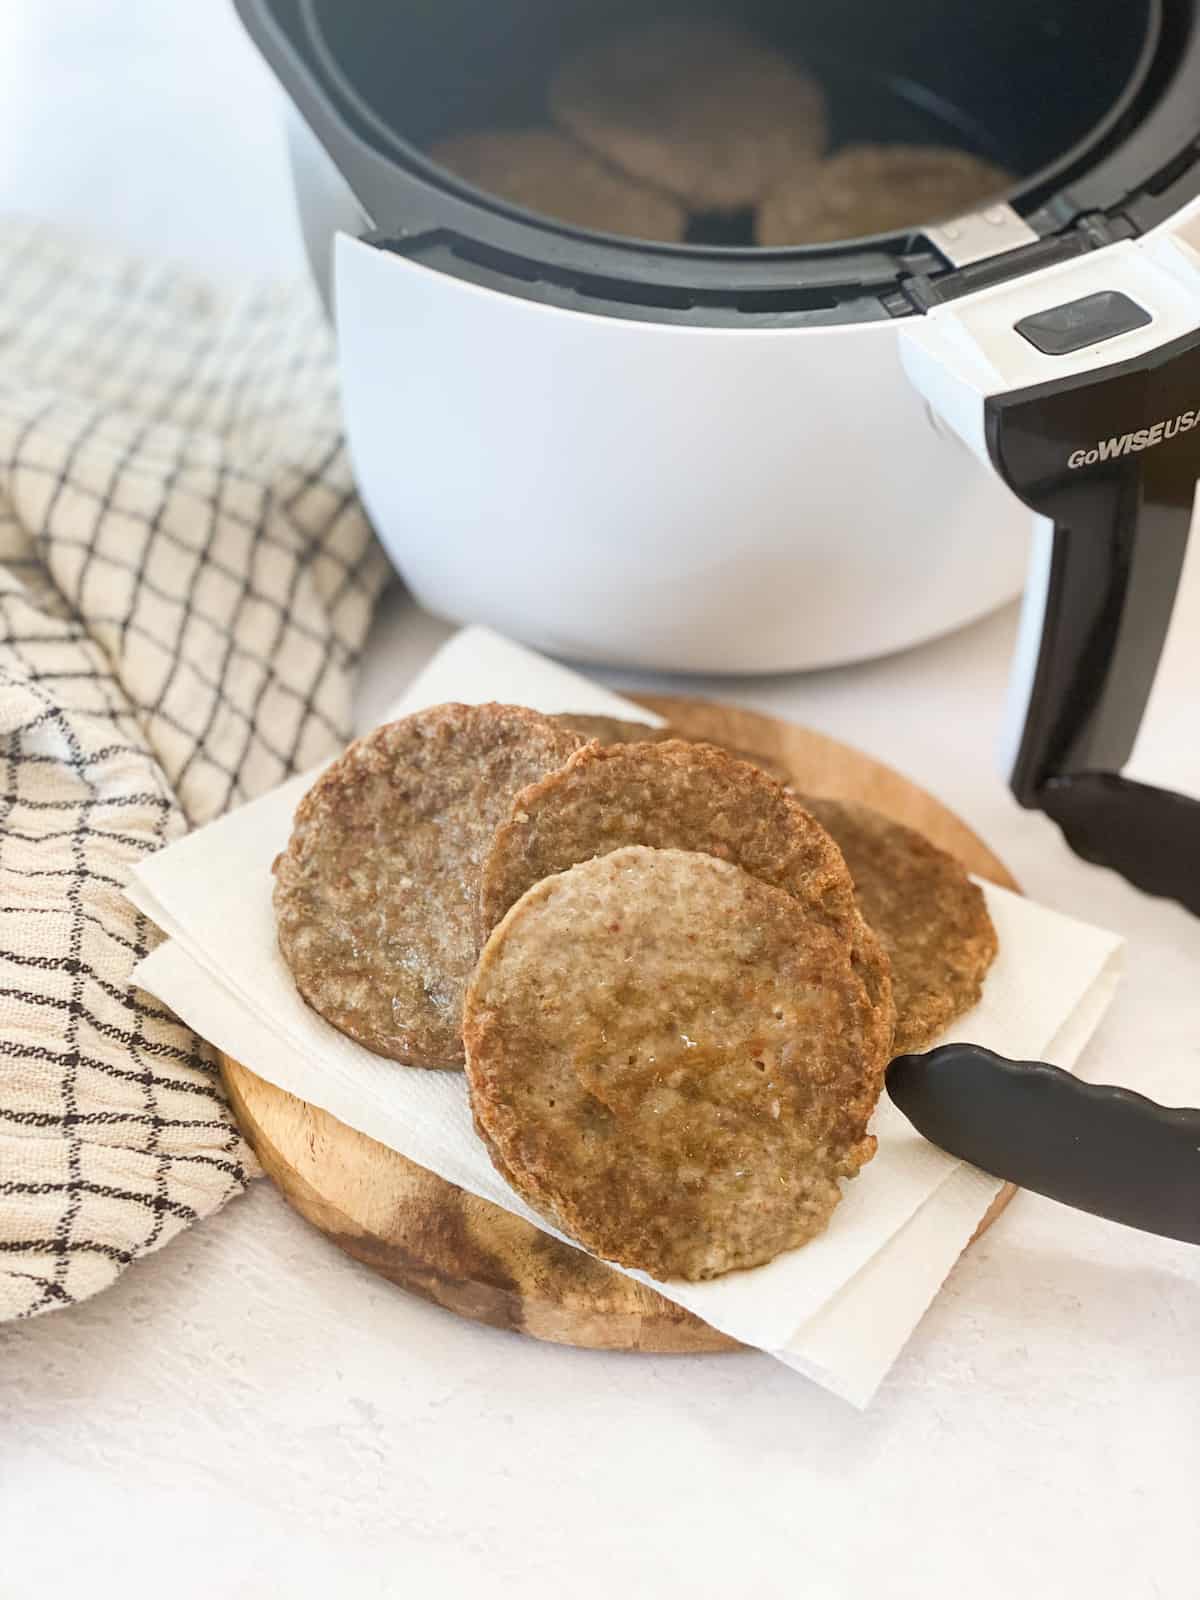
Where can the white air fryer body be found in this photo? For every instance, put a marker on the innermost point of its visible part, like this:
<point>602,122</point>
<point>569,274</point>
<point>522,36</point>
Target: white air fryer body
<point>650,494</point>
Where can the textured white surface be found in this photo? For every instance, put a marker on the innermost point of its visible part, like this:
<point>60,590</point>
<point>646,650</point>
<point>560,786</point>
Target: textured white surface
<point>251,1414</point>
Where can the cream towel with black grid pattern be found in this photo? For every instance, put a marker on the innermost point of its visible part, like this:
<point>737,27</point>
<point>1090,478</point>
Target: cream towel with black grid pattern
<point>186,579</point>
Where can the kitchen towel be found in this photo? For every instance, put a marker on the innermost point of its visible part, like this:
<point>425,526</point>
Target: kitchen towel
<point>840,1309</point>
<point>186,579</point>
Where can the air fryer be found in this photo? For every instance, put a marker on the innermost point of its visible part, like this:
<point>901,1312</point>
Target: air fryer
<point>711,456</point>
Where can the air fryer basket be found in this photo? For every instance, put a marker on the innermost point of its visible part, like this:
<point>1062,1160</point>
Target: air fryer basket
<point>1039,86</point>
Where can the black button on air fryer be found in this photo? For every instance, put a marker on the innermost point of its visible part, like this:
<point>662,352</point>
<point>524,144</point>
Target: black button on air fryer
<point>1065,329</point>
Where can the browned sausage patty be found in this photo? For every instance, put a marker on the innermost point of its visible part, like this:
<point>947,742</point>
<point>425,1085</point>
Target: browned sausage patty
<point>376,895</point>
<point>618,730</point>
<point>613,730</point>
<point>695,106</point>
<point>875,188</point>
<point>679,796</point>
<point>674,1062</point>
<point>931,919</point>
<point>545,171</point>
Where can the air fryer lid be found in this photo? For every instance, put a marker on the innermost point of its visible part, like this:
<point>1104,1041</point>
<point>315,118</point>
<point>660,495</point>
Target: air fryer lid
<point>1095,104</point>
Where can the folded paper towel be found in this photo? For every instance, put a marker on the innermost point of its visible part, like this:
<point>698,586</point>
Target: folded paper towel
<point>839,1310</point>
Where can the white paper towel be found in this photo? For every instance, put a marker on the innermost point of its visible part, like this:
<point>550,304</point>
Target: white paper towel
<point>838,1310</point>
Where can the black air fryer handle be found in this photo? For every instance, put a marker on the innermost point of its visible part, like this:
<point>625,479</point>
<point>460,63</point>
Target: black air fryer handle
<point>1150,836</point>
<point>1111,460</point>
<point>1108,1151</point>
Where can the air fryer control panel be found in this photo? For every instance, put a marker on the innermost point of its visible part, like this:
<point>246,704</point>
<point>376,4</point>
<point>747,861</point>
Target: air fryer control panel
<point>1091,319</point>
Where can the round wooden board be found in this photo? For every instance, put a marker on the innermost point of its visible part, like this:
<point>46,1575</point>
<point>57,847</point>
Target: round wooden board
<point>468,1255</point>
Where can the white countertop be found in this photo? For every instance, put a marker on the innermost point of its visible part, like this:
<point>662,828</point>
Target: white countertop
<point>251,1413</point>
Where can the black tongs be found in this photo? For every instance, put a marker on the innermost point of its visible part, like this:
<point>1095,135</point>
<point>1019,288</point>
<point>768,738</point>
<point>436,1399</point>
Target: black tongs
<point>1104,1150</point>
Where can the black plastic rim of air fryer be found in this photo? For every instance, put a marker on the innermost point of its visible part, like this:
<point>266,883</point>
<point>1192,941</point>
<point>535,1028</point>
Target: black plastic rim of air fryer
<point>1138,153</point>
